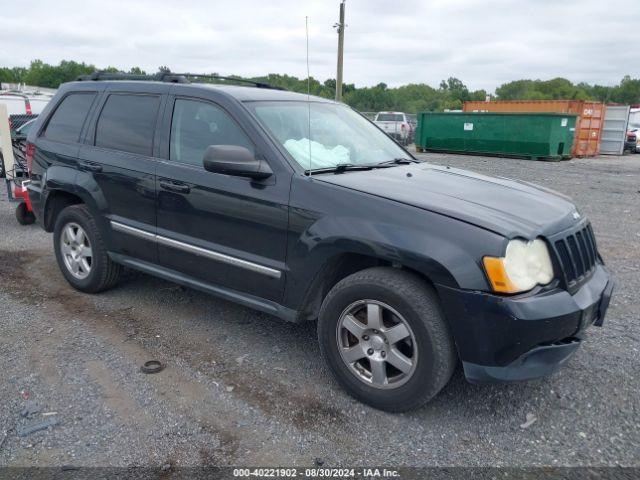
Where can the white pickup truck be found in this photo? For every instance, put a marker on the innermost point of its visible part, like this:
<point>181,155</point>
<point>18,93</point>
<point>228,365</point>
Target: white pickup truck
<point>395,124</point>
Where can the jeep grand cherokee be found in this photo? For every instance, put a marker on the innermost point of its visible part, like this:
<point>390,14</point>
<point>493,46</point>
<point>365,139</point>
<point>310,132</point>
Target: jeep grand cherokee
<point>300,207</point>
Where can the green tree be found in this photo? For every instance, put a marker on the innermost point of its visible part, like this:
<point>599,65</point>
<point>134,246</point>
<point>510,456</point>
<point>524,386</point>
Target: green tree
<point>51,76</point>
<point>627,92</point>
<point>450,94</point>
<point>554,89</point>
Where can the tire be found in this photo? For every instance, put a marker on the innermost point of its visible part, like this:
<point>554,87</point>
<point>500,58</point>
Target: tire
<point>101,273</point>
<point>24,216</point>
<point>410,300</point>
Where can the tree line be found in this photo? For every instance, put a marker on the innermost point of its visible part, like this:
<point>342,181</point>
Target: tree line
<point>411,98</point>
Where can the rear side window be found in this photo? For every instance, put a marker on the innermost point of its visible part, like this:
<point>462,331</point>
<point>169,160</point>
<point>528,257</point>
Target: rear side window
<point>195,125</point>
<point>127,123</point>
<point>66,122</point>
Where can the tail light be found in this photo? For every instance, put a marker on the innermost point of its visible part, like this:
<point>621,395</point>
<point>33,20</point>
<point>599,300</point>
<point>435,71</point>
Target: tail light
<point>29,152</point>
<point>403,126</point>
<point>27,105</point>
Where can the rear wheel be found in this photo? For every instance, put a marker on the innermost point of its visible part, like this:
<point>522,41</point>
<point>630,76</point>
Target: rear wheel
<point>80,251</point>
<point>384,338</point>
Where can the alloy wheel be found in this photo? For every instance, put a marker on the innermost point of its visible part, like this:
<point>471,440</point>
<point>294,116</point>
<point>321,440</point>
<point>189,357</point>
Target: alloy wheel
<point>76,250</point>
<point>377,344</point>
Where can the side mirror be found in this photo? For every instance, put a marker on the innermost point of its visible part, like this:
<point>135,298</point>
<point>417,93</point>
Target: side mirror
<point>234,160</point>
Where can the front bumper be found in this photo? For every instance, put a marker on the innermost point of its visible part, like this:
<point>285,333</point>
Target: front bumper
<point>526,336</point>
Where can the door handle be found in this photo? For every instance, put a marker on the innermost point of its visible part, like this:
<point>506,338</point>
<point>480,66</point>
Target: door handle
<point>92,167</point>
<point>175,187</point>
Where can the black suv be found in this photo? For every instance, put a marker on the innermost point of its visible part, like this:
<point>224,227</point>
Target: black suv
<point>300,207</point>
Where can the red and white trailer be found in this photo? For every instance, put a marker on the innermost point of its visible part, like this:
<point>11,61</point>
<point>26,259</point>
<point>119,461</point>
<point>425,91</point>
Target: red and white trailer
<point>16,175</point>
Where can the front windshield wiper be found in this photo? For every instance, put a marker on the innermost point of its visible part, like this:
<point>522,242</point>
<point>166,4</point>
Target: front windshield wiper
<point>347,167</point>
<point>339,168</point>
<point>400,161</point>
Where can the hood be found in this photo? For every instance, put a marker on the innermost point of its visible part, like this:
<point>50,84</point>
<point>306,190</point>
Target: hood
<point>508,207</point>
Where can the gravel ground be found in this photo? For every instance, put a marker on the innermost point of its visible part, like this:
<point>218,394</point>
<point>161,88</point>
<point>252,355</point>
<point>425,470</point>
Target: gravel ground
<point>241,388</point>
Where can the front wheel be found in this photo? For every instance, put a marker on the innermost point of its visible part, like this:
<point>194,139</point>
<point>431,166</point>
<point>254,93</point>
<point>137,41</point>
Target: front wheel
<point>385,339</point>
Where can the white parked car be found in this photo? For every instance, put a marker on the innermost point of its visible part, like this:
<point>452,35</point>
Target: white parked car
<point>395,124</point>
<point>632,143</point>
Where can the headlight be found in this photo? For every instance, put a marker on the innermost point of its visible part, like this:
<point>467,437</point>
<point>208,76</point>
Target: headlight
<point>524,265</point>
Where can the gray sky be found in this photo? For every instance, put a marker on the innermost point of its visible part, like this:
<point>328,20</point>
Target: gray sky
<point>482,42</point>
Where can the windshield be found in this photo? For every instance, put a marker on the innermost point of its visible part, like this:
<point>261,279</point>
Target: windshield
<point>338,135</point>
<point>633,126</point>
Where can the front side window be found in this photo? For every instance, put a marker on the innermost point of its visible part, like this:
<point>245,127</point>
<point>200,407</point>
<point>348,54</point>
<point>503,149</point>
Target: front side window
<point>196,125</point>
<point>324,135</point>
<point>127,123</point>
<point>66,122</point>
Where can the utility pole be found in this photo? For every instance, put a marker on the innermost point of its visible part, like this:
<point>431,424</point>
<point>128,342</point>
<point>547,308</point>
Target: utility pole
<point>340,26</point>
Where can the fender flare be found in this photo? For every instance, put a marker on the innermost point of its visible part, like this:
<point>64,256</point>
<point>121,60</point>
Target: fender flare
<point>442,257</point>
<point>77,183</point>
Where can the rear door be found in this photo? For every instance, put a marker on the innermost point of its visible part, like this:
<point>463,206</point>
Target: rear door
<point>118,157</point>
<point>225,230</point>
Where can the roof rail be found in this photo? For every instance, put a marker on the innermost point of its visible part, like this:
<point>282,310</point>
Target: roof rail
<point>157,77</point>
<point>169,77</point>
<point>215,76</point>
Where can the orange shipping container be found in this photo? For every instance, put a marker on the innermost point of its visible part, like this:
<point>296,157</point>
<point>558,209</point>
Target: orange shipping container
<point>586,142</point>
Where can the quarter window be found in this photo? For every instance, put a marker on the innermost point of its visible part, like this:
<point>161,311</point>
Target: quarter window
<point>196,125</point>
<point>127,123</point>
<point>66,122</point>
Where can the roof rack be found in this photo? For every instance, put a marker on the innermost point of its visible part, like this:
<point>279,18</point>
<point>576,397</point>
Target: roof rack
<point>157,77</point>
<point>215,76</point>
<point>169,77</point>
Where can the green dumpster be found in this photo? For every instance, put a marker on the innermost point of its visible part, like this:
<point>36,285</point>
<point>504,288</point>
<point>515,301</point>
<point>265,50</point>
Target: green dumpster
<point>533,135</point>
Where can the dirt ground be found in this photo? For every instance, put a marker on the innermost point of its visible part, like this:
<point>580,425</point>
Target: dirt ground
<point>242,388</point>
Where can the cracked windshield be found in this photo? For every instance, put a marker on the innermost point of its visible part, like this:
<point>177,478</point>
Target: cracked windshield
<point>339,136</point>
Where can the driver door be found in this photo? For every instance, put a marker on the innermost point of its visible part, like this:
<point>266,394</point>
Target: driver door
<point>224,230</point>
